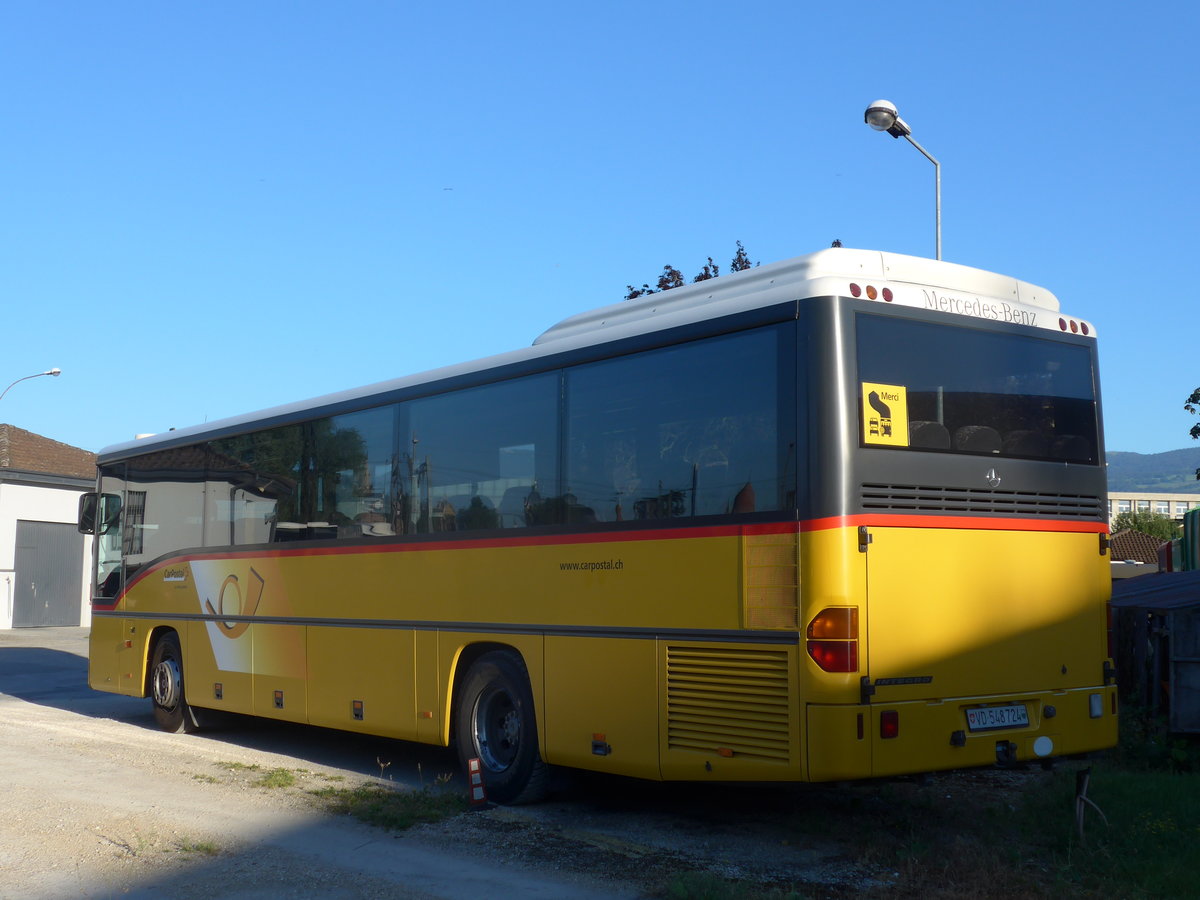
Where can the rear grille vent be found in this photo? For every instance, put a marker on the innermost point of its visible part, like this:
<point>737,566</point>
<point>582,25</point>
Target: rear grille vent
<point>729,700</point>
<point>971,501</point>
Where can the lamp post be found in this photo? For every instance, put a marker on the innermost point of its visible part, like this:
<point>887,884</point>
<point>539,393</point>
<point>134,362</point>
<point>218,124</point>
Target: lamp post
<point>54,372</point>
<point>882,116</point>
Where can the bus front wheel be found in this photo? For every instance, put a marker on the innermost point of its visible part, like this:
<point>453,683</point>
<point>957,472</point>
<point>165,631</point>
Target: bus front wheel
<point>171,709</point>
<point>495,723</point>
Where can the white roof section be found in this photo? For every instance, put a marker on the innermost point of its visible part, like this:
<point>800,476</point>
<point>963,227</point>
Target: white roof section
<point>912,281</point>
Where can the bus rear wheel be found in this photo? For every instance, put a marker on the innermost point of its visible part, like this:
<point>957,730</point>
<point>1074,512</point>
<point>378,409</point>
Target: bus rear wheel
<point>495,723</point>
<point>171,710</point>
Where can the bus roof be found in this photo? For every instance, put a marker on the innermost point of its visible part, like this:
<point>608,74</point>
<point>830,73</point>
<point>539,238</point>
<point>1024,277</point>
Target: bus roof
<point>928,283</point>
<point>887,277</point>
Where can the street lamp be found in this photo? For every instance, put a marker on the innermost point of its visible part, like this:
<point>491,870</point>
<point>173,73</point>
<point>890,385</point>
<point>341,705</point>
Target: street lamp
<point>882,116</point>
<point>54,372</point>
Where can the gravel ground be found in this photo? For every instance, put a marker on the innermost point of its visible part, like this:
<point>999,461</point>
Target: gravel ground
<point>95,802</point>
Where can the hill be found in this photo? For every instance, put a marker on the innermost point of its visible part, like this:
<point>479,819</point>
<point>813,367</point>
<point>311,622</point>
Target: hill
<point>1171,472</point>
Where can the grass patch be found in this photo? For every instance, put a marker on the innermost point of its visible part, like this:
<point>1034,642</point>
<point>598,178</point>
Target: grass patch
<point>187,845</point>
<point>277,778</point>
<point>1148,847</point>
<point>374,804</point>
<point>706,886</point>
<point>239,767</point>
<point>1025,841</point>
<point>392,808</point>
<point>998,834</point>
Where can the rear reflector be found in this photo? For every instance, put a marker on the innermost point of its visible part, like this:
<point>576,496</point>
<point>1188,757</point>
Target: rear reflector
<point>889,724</point>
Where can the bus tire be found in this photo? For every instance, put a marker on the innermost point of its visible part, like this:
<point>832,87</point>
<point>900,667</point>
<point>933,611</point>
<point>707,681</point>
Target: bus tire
<point>171,710</point>
<point>495,723</point>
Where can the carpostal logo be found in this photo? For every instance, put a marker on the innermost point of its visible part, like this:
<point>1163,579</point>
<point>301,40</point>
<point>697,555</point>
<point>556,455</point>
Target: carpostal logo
<point>174,574</point>
<point>232,602</point>
<point>996,310</point>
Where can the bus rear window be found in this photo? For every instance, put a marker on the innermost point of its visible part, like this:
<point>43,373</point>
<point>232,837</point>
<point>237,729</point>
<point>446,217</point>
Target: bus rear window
<point>963,390</point>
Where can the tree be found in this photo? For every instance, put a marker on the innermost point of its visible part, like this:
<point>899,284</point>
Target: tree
<point>710,270</point>
<point>1154,524</point>
<point>740,259</point>
<point>1191,405</point>
<point>671,277</point>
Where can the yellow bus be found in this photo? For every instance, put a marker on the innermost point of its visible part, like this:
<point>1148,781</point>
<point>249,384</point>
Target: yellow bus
<point>835,517</point>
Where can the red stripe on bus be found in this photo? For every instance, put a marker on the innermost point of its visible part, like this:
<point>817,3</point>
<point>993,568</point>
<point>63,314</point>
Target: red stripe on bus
<point>964,523</point>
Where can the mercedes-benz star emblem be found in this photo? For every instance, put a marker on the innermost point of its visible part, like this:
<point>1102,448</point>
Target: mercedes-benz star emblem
<point>992,478</point>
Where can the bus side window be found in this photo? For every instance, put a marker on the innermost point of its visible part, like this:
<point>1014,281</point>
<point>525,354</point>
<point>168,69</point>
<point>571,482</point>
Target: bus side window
<point>687,430</point>
<point>484,458</point>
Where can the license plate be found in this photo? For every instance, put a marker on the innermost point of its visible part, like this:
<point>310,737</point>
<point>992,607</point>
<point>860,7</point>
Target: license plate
<point>989,718</point>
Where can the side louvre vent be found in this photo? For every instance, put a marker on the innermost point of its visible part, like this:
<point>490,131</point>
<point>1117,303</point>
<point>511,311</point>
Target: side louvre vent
<point>925,498</point>
<point>721,700</point>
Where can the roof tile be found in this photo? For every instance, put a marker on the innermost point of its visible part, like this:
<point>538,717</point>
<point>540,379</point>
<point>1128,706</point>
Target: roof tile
<point>29,452</point>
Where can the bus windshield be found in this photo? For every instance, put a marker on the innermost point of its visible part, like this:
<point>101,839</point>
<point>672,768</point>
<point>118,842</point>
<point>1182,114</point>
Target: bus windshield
<point>980,392</point>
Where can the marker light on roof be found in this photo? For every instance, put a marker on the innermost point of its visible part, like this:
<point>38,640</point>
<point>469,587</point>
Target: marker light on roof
<point>855,290</point>
<point>887,294</point>
<point>871,292</point>
<point>1075,327</point>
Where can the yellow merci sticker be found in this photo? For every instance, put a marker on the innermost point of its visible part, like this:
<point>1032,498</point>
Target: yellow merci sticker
<point>885,414</point>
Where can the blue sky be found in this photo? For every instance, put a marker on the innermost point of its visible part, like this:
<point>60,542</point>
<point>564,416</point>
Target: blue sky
<point>212,208</point>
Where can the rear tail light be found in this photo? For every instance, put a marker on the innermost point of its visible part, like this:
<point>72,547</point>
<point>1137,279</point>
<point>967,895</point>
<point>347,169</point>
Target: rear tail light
<point>833,639</point>
<point>835,656</point>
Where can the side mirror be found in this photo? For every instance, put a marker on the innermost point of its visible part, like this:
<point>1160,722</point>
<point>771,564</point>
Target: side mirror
<point>87,512</point>
<point>98,513</point>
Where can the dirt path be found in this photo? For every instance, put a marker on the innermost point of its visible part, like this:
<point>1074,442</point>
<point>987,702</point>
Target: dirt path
<point>95,802</point>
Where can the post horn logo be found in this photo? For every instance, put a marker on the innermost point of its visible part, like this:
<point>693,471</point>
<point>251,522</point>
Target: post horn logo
<point>245,607</point>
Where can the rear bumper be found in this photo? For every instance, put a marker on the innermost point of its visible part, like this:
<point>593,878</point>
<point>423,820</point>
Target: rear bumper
<point>846,741</point>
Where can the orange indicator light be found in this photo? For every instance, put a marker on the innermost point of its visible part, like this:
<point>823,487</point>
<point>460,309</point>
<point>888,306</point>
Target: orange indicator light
<point>837,622</point>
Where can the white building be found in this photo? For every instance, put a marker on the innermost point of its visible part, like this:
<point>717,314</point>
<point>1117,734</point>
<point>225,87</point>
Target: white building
<point>44,561</point>
<point>1173,506</point>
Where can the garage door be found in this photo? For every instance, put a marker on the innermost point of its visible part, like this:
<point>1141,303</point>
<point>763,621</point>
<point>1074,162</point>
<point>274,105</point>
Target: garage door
<point>49,566</point>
